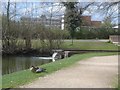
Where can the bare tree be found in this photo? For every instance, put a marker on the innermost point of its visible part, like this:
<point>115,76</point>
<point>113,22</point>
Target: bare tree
<point>109,9</point>
<point>6,28</point>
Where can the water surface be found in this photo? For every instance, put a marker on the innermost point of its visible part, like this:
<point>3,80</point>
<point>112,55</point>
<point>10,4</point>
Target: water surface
<point>12,64</point>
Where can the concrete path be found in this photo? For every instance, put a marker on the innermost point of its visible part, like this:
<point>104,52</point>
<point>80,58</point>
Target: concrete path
<point>96,72</point>
<point>88,40</point>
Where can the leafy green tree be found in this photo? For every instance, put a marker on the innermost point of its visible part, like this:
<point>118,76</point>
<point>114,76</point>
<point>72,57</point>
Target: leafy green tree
<point>107,22</point>
<point>72,17</point>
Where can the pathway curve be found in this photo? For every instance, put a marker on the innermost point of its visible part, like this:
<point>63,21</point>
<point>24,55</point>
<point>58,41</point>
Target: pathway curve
<point>96,72</point>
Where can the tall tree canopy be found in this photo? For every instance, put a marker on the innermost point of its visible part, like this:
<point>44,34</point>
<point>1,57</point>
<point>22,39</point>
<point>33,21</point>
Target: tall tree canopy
<point>72,17</point>
<point>73,13</point>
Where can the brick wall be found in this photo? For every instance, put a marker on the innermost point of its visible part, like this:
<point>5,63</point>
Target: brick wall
<point>87,22</point>
<point>96,23</point>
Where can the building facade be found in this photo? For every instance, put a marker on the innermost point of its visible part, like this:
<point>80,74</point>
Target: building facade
<point>47,22</point>
<point>89,23</point>
<point>59,23</point>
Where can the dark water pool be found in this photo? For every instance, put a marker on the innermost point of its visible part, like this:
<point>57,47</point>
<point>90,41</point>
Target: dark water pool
<point>12,64</point>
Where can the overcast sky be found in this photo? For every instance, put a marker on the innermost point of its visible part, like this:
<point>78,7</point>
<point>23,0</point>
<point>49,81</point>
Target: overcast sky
<point>36,9</point>
<point>60,0</point>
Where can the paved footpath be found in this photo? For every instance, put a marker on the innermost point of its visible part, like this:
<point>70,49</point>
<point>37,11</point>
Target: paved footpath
<point>96,72</point>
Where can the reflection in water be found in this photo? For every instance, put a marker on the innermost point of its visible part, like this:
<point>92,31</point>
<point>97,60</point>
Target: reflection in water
<point>13,64</point>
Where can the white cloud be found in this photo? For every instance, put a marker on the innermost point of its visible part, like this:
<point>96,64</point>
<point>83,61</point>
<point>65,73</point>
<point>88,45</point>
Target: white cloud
<point>86,13</point>
<point>56,8</point>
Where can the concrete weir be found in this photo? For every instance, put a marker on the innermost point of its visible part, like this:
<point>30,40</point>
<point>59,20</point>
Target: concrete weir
<point>55,56</point>
<point>59,53</point>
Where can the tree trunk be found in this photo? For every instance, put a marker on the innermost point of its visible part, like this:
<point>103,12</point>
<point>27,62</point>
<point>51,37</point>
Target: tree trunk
<point>28,43</point>
<point>8,25</point>
<point>72,41</point>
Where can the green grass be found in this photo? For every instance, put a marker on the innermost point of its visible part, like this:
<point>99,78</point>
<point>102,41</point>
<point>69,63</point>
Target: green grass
<point>82,45</point>
<point>89,45</point>
<point>0,82</point>
<point>22,77</point>
<point>118,85</point>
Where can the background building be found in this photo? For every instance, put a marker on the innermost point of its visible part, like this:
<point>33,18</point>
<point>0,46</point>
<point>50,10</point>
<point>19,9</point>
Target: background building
<point>89,23</point>
<point>43,20</point>
<point>59,23</point>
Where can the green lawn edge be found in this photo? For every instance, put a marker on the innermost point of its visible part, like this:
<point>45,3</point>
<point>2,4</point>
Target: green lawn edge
<point>89,45</point>
<point>80,45</point>
<point>25,76</point>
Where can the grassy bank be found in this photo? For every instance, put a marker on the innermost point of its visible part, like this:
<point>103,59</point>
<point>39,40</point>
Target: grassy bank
<point>89,45</point>
<point>119,82</point>
<point>25,76</point>
<point>78,44</point>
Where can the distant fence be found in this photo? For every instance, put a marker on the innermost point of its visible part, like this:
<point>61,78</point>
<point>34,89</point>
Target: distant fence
<point>68,52</point>
<point>114,38</point>
<point>76,50</point>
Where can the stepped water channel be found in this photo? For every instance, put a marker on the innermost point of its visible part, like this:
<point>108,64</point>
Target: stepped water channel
<point>12,64</point>
<point>16,63</point>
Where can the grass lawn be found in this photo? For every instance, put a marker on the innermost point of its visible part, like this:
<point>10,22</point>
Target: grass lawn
<point>118,82</point>
<point>22,77</point>
<point>78,44</point>
<point>89,45</point>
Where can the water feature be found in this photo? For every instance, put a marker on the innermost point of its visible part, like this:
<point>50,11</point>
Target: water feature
<point>12,64</point>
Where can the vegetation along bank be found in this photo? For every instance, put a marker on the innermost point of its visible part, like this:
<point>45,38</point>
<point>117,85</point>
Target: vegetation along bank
<point>22,77</point>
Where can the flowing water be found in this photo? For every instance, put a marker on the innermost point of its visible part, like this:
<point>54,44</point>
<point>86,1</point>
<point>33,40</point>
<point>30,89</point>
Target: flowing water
<point>12,64</point>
